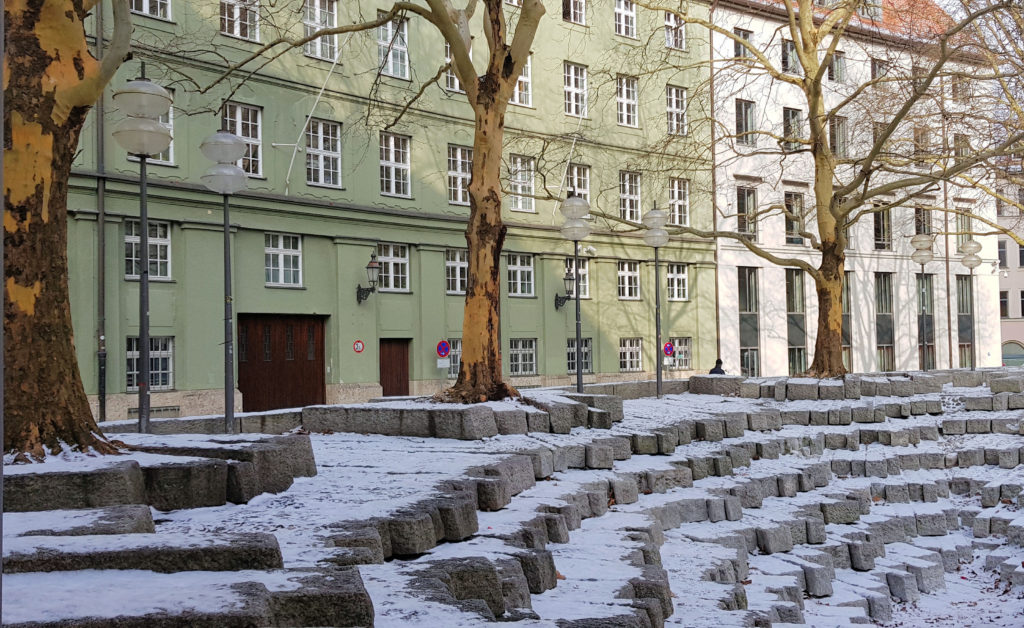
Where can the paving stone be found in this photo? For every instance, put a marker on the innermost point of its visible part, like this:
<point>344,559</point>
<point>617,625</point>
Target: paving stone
<point>901,387</point>
<point>716,510</point>
<point>839,416</point>
<point>851,387</point>
<point>1015,402</point>
<point>644,444</point>
<point>735,423</point>
<point>780,390</point>
<point>668,440</point>
<point>979,426</point>
<point>750,389</point>
<point>930,524</point>
<point>934,406</point>
<point>724,385</point>
<point>740,456</point>
<point>970,457</point>
<point>818,417</point>
<point>767,390</point>
<point>952,427</point>
<point>769,450</point>
<point>733,508</point>
<point>599,457</point>
<point>774,539</point>
<point>765,421</point>
<point>1007,384</point>
<point>1006,425</point>
<point>841,512</point>
<point>710,430</point>
<point>978,403</point>
<point>801,389</point>
<point>903,586</point>
<point>794,417</point>
<point>831,389</point>
<point>862,414</point>
<point>815,529</point>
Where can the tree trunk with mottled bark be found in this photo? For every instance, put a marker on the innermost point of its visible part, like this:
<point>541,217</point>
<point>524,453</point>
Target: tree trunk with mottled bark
<point>828,347</point>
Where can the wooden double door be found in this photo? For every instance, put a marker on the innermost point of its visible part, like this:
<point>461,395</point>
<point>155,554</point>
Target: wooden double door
<point>394,366</point>
<point>280,361</point>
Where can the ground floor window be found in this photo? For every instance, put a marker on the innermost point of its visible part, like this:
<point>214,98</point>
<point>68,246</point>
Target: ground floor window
<point>455,357</point>
<point>570,354</point>
<point>161,363</point>
<point>630,355</point>
<point>682,359</point>
<point>522,356</point>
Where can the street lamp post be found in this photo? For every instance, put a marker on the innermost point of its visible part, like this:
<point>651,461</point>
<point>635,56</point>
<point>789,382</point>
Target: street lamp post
<point>922,254</point>
<point>970,259</point>
<point>142,135</point>
<point>575,228</point>
<point>656,236</point>
<point>225,177</point>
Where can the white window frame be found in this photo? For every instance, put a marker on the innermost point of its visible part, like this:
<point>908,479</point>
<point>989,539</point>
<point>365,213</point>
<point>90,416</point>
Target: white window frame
<point>522,95</point>
<point>451,80</point>
<point>675,32</point>
<point>679,201</point>
<point>520,275</point>
<point>240,19</point>
<point>393,47</point>
<point>454,357</point>
<point>587,354</point>
<point>574,82</point>
<point>520,183</point>
<point>395,165</point>
<point>678,281</point>
<point>629,195</point>
<point>161,351</point>
<point>584,276</point>
<point>578,180</point>
<point>323,153</point>
<point>160,9</point>
<point>522,356</point>
<point>675,110</point>
<point>575,11</point>
<point>625,18</point>
<point>282,258</point>
<point>246,121</point>
<point>627,101</point>
<point>629,280</point>
<point>394,267</point>
<point>837,67</point>
<point>456,270</point>
<point>746,123</point>
<point>790,61</point>
<point>319,15</point>
<point>631,355</point>
<point>159,249</point>
<point>682,358</point>
<point>460,170</point>
<point>165,158</point>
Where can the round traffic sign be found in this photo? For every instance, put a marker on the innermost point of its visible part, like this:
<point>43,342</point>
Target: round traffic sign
<point>669,349</point>
<point>358,346</point>
<point>443,349</point>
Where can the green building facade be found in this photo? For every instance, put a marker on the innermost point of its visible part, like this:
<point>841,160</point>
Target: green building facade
<point>338,171</point>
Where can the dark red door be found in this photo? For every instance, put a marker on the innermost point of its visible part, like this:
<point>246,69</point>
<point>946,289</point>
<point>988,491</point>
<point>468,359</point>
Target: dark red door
<point>394,366</point>
<point>280,361</point>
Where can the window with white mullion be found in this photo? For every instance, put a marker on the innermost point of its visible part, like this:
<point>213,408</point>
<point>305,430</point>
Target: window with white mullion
<point>682,356</point>
<point>460,170</point>
<point>584,274</point>
<point>627,100</point>
<point>575,85</point>
<point>153,8</point>
<point>678,277</point>
<point>454,357</point>
<point>587,352</point>
<point>678,202</point>
<point>629,281</point>
<point>321,15</point>
<point>629,196</point>
<point>245,122</point>
<point>456,270</point>
<point>240,18</point>
<point>394,267</point>
<point>159,249</point>
<point>523,93</point>
<point>323,153</point>
<point>161,363</point>
<point>578,181</point>
<point>520,181</point>
<point>282,255</point>
<point>520,275</point>
<point>630,355</point>
<point>451,80</point>
<point>675,109</point>
<point>575,11</point>
<point>625,18</point>
<point>393,47</point>
<point>675,31</point>
<point>394,165</point>
<point>522,356</point>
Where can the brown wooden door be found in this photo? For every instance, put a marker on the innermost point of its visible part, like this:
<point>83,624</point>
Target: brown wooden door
<point>280,361</point>
<point>394,366</point>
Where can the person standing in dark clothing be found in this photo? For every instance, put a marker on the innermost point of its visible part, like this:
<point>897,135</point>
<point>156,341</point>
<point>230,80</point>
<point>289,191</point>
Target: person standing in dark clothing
<point>718,370</point>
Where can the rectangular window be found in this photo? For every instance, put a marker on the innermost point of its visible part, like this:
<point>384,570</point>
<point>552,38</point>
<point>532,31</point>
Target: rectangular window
<point>750,354</point>
<point>575,11</point>
<point>926,324</point>
<point>245,122</point>
<point>675,109</point>
<point>790,60</point>
<point>575,84</point>
<point>625,18</point>
<point>884,322</point>
<point>522,356</point>
<point>678,201</point>
<point>879,69</point>
<point>1022,302</point>
<point>523,94</point>
<point>393,47</point>
<point>159,249</point>
<point>682,358</point>
<point>587,345</point>
<point>282,259</point>
<point>964,295</point>
<point>460,169</point>
<point>678,276</point>
<point>584,276</point>
<point>320,15</point>
<point>847,305</point>
<point>746,211</point>
<point>883,293</point>
<point>451,81</point>
<point>745,134</point>
<point>792,128</point>
<point>629,196</point>
<point>627,101</point>
<point>629,280</point>
<point>794,203</point>
<point>394,267</point>
<point>747,289</point>
<point>963,227</point>
<point>323,153</point>
<point>161,363</point>
<point>454,357</point>
<point>240,18</point>
<point>960,88</point>
<point>630,355</point>
<point>839,137</point>
<point>395,164</point>
<point>520,275</point>
<point>739,50</point>
<point>922,145</point>
<point>520,183</point>
<point>795,291</point>
<point>837,67</point>
<point>675,31</point>
<point>922,221</point>
<point>883,228</point>
<point>456,270</point>
<point>797,360</point>
<point>1004,304</point>
<point>1001,253</point>
<point>1020,259</point>
<point>578,177</point>
<point>961,146</point>
<point>153,8</point>
<point>870,9</point>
